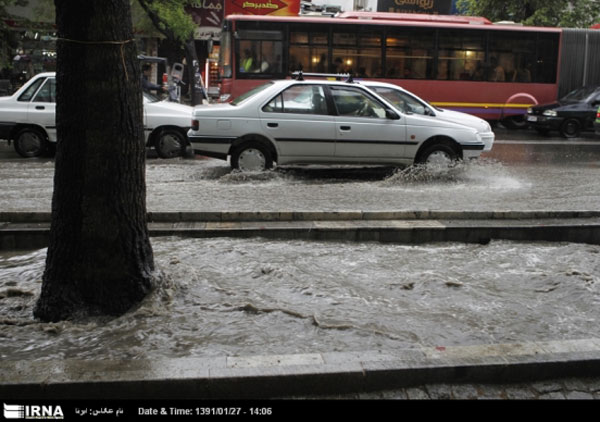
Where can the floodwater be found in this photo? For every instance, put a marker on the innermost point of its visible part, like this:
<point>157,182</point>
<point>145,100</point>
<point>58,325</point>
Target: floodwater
<point>256,296</point>
<point>210,185</point>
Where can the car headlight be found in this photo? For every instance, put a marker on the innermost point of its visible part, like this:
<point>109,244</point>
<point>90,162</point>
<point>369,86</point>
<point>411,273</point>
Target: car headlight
<point>529,110</point>
<point>550,113</point>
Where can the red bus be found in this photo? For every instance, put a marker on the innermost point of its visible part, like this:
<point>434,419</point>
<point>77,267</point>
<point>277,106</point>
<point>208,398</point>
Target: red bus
<point>469,64</point>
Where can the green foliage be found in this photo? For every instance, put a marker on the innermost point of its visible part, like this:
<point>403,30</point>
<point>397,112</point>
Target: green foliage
<point>7,38</point>
<point>563,13</point>
<point>170,18</point>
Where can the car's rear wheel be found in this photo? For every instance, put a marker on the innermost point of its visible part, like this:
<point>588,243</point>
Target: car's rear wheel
<point>170,143</point>
<point>31,142</point>
<point>571,128</point>
<point>438,155</point>
<point>251,156</point>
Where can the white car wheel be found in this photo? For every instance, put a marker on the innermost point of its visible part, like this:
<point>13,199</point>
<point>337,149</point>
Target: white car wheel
<point>251,160</point>
<point>251,157</point>
<point>438,156</point>
<point>30,142</point>
<point>170,144</point>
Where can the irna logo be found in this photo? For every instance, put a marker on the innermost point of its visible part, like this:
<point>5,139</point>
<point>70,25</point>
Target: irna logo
<point>17,411</point>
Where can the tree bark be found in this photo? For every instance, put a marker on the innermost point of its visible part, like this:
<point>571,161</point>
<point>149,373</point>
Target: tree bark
<point>191,56</point>
<point>99,259</point>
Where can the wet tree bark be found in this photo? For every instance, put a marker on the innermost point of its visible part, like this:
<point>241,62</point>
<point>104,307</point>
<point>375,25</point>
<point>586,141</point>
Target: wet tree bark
<point>99,259</point>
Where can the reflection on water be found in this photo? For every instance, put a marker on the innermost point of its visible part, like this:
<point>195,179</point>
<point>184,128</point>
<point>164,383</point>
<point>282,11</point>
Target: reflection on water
<point>254,296</point>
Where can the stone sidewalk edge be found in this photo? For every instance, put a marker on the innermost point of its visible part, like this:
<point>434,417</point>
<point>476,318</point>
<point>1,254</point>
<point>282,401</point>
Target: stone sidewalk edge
<point>252,377</point>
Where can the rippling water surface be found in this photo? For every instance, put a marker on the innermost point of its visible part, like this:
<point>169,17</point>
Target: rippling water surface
<point>210,185</point>
<point>256,296</point>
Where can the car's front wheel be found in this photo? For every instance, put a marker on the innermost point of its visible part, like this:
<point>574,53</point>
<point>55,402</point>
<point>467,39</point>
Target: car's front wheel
<point>251,156</point>
<point>170,143</point>
<point>571,128</point>
<point>31,142</point>
<point>439,155</point>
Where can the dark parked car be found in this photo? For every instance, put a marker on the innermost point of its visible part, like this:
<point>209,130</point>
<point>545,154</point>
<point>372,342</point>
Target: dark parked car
<point>573,113</point>
<point>597,122</point>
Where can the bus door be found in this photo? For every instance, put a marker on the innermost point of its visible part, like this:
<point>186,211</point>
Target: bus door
<point>362,128</point>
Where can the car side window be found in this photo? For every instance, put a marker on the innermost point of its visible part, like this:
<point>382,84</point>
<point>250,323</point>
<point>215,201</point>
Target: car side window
<point>299,99</point>
<point>354,102</point>
<point>47,94</point>
<point>31,90</point>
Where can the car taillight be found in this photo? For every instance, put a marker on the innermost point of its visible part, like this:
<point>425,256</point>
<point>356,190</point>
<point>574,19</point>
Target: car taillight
<point>195,125</point>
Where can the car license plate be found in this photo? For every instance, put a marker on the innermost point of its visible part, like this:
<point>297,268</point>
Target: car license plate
<point>531,118</point>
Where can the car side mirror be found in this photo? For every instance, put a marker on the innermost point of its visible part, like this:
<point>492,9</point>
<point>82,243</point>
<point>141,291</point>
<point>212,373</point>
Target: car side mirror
<point>391,114</point>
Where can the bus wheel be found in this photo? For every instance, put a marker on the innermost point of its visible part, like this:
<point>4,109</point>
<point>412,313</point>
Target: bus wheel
<point>570,128</point>
<point>31,142</point>
<point>251,156</point>
<point>515,122</point>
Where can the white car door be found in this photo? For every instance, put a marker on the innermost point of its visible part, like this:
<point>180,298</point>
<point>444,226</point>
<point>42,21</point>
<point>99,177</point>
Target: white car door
<point>362,128</point>
<point>298,120</point>
<point>41,109</point>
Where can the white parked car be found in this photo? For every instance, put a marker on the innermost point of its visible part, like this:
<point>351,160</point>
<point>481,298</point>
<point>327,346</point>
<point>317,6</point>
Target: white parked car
<point>326,122</point>
<point>27,118</point>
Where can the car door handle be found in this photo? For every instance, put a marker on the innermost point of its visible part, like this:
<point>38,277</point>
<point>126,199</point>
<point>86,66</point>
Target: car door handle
<point>345,127</point>
<point>273,124</point>
<point>40,108</point>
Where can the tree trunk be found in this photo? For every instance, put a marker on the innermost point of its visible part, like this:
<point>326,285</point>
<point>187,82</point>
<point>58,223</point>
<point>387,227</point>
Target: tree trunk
<point>190,57</point>
<point>99,258</point>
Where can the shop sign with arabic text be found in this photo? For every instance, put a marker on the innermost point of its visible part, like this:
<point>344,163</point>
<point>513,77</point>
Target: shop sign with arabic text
<point>208,15</point>
<point>438,7</point>
<point>262,7</point>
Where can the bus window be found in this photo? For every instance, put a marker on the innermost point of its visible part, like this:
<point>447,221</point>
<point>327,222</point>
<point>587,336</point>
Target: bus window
<point>546,63</point>
<point>259,54</point>
<point>357,51</point>
<point>505,52</point>
<point>461,55</point>
<point>409,53</point>
<point>308,50</point>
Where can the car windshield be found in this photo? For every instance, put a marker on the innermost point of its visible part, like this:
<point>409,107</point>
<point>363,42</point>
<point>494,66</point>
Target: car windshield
<point>401,100</point>
<point>149,98</point>
<point>250,93</point>
<point>580,94</point>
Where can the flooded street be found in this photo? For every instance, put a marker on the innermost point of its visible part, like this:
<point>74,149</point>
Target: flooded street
<point>252,296</point>
<point>210,185</point>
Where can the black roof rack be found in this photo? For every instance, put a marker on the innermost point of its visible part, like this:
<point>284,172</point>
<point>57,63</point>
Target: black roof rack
<point>299,75</point>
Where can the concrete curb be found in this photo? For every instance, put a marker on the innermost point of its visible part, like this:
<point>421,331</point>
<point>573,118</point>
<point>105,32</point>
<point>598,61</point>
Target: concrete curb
<point>249,377</point>
<point>236,216</point>
<point>31,230</point>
